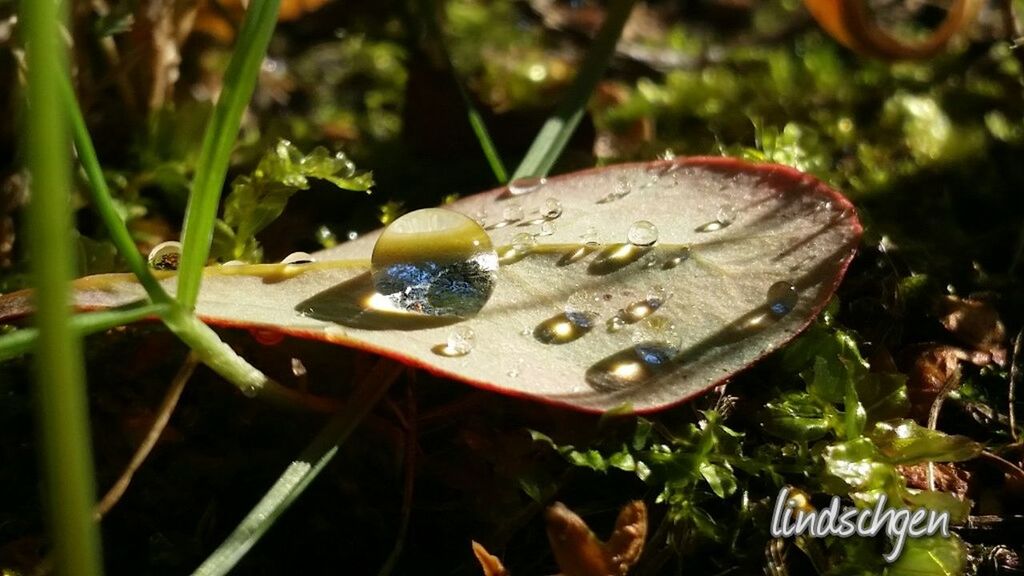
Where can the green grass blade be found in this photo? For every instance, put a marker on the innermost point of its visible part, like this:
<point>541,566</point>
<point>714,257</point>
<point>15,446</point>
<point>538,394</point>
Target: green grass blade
<point>300,473</point>
<point>22,341</point>
<point>102,199</point>
<point>429,11</point>
<point>557,130</point>
<point>63,408</point>
<point>218,141</point>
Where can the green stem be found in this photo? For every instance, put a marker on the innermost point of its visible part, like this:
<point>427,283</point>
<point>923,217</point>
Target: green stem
<point>557,130</point>
<point>21,341</point>
<point>61,400</point>
<point>300,473</point>
<point>102,199</point>
<point>219,139</point>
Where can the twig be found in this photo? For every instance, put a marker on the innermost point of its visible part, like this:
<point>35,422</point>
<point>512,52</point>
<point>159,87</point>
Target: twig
<point>411,446</point>
<point>1011,392</point>
<point>163,415</point>
<point>933,416</point>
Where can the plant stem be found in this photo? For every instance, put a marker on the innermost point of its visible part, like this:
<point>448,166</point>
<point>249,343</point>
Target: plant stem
<point>21,341</point>
<point>102,199</point>
<point>557,130</point>
<point>219,139</point>
<point>62,404</point>
<point>300,473</point>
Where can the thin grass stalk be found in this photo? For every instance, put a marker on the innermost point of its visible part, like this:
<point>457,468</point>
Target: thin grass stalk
<point>61,400</point>
<point>558,129</point>
<point>218,141</point>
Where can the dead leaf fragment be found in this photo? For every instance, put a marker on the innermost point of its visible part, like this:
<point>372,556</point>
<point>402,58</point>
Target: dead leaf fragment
<point>579,552</point>
<point>976,323</point>
<point>948,477</point>
<point>930,367</point>
<point>490,563</point>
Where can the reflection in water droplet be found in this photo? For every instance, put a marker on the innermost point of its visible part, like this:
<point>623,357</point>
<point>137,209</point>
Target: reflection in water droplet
<point>435,262</point>
<point>521,186</point>
<point>642,233</point>
<point>552,208</point>
<point>726,215</point>
<point>298,258</point>
<point>460,342</point>
<point>615,323</point>
<point>676,258</point>
<point>249,391</point>
<point>564,328</point>
<point>782,298</point>
<point>632,367</point>
<point>546,229</point>
<point>165,256</point>
<point>513,212</point>
<point>523,242</point>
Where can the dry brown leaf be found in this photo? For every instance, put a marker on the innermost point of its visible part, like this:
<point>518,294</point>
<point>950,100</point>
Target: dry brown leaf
<point>948,478</point>
<point>851,23</point>
<point>579,552</point>
<point>489,563</point>
<point>976,323</point>
<point>930,367</point>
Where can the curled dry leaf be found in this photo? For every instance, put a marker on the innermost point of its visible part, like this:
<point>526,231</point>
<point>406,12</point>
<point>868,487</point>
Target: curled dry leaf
<point>976,323</point>
<point>931,366</point>
<point>639,285</point>
<point>852,24</point>
<point>579,552</point>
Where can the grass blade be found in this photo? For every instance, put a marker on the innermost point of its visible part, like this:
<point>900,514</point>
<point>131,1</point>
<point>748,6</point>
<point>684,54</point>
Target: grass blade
<point>557,130</point>
<point>21,341</point>
<point>429,11</point>
<point>62,405</point>
<point>219,139</point>
<point>102,199</point>
<point>300,473</point>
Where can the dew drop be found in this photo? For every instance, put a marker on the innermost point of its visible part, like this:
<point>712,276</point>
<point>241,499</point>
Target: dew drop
<point>726,215</point>
<point>513,212</point>
<point>642,233</point>
<point>589,237</point>
<point>460,342</point>
<point>523,242</point>
<point>782,298</point>
<point>546,229</point>
<point>351,235</point>
<point>521,186</point>
<point>298,258</point>
<point>676,258</point>
<point>434,262</point>
<point>667,154</point>
<point>298,368</point>
<point>564,328</point>
<point>165,256</point>
<point>615,323</point>
<point>552,208</point>
<point>249,391</point>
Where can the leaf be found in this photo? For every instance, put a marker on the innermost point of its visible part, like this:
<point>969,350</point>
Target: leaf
<point>931,556</point>
<point>578,551</point>
<point>258,199</point>
<point>795,416</point>
<point>713,280</point>
<point>907,442</point>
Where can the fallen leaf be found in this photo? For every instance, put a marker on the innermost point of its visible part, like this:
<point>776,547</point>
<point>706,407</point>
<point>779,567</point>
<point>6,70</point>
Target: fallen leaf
<point>976,323</point>
<point>948,477</point>
<point>930,367</point>
<point>745,258</point>
<point>489,563</point>
<point>579,552</point>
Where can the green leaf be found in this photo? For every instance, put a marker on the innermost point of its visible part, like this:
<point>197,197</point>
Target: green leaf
<point>931,556</point>
<point>907,442</point>
<point>719,477</point>
<point>796,416</point>
<point>857,468</point>
<point>258,199</point>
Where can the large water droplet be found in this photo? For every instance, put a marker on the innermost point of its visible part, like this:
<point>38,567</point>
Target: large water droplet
<point>552,208</point>
<point>435,262</point>
<point>521,186</point>
<point>165,256</point>
<point>782,298</point>
<point>726,215</point>
<point>642,233</point>
<point>298,258</point>
<point>513,212</point>
<point>460,342</point>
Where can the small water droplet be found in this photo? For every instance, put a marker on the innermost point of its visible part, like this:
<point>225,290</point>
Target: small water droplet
<point>546,229</point>
<point>513,212</point>
<point>521,186</point>
<point>615,323</point>
<point>480,216</point>
<point>165,256</point>
<point>667,154</point>
<point>676,258</point>
<point>325,236</point>
<point>581,301</point>
<point>726,215</point>
<point>513,372</point>
<point>249,391</point>
<point>642,233</point>
<point>656,339</point>
<point>564,328</point>
<point>352,235</point>
<point>552,208</point>
<point>460,342</point>
<point>782,298</point>
<point>523,242</point>
<point>298,368</point>
<point>434,262</point>
<point>589,236</point>
<point>298,258</point>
